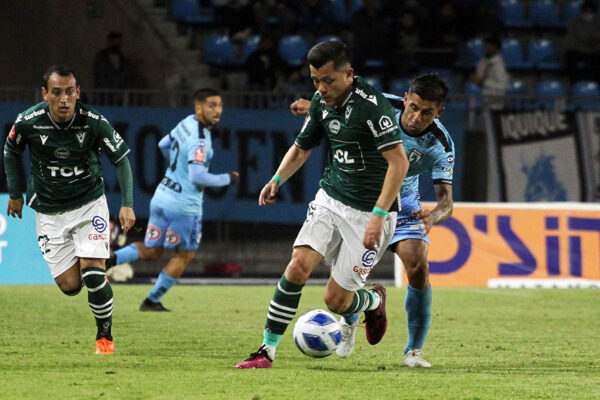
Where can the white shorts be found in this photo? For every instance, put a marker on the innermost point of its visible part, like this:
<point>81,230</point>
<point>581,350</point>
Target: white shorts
<point>81,233</point>
<point>336,231</point>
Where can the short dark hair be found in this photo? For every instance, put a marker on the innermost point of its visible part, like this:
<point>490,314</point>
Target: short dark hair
<point>113,35</point>
<point>60,69</point>
<point>493,39</point>
<point>429,87</point>
<point>202,94</point>
<point>330,50</point>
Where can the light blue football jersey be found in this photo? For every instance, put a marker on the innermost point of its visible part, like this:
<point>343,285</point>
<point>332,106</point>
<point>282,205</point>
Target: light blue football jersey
<point>191,144</point>
<point>430,152</point>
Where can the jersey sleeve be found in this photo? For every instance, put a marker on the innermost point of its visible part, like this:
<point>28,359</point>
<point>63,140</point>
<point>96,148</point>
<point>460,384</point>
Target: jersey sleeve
<point>381,121</point>
<point>111,143</point>
<point>15,141</point>
<point>312,131</point>
<point>443,168</point>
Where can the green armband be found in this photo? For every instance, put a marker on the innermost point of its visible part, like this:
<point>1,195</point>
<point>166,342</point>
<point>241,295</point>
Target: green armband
<point>277,178</point>
<point>380,212</point>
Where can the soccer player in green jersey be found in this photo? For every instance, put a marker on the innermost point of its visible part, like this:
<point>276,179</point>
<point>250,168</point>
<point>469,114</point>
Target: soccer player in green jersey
<point>66,139</point>
<point>352,218</point>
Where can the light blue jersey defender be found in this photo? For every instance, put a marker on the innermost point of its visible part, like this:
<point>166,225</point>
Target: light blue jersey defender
<point>430,152</point>
<point>176,207</point>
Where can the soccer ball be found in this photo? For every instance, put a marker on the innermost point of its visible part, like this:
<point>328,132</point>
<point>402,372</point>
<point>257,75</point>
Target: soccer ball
<point>120,273</point>
<point>317,333</point>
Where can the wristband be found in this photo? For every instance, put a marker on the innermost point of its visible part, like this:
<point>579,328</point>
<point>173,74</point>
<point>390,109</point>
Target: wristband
<point>380,212</point>
<point>277,178</point>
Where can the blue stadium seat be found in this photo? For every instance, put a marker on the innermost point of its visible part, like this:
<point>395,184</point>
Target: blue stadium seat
<point>375,82</point>
<point>545,14</point>
<point>293,49</point>
<point>551,94</point>
<point>571,9</point>
<point>586,95</point>
<point>543,55</point>
<point>512,14</point>
<point>189,11</point>
<point>218,50</point>
<point>470,53</point>
<point>473,94</point>
<point>512,53</point>
<point>250,44</point>
<point>399,86</point>
<point>340,11</point>
<point>518,95</point>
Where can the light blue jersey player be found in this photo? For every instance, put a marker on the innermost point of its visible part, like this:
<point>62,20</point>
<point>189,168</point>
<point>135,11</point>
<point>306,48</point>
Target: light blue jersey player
<point>429,149</point>
<point>176,207</point>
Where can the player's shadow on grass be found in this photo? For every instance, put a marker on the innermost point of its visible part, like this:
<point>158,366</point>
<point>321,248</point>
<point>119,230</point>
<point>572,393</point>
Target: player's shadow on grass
<point>356,368</point>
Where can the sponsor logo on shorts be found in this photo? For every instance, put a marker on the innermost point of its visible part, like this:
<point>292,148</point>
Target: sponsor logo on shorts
<point>153,233</point>
<point>98,236</point>
<point>362,270</point>
<point>368,258</point>
<point>99,224</point>
<point>171,238</point>
<point>43,242</point>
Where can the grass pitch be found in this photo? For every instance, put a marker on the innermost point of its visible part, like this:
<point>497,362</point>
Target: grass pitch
<point>483,344</point>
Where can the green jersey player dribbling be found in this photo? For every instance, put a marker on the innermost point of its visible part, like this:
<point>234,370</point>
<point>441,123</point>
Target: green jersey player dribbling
<point>66,139</point>
<point>352,218</point>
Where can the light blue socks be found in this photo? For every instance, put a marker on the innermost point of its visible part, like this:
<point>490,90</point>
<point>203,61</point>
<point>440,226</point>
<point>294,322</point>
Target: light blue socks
<point>162,286</point>
<point>418,313</point>
<point>127,254</point>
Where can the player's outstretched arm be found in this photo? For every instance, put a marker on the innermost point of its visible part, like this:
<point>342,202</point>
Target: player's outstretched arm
<point>441,212</point>
<point>300,107</point>
<point>397,168</point>
<point>292,161</point>
<point>126,214</point>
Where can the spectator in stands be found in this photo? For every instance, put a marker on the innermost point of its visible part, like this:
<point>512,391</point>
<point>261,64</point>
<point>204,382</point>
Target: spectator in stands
<point>112,69</point>
<point>491,74</point>
<point>406,32</point>
<point>264,65</point>
<point>236,16</point>
<point>582,43</point>
<point>315,18</point>
<point>273,17</point>
<point>370,30</point>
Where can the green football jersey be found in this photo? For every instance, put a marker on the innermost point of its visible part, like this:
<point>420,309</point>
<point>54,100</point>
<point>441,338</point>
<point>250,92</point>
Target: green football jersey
<point>66,172</point>
<point>357,131</point>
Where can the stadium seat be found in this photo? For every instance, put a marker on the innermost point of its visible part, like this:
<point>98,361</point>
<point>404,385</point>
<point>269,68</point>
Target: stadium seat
<point>340,11</point>
<point>512,14</point>
<point>543,55</point>
<point>545,14</point>
<point>518,95</point>
<point>473,94</point>
<point>293,49</point>
<point>399,86</point>
<point>551,94</point>
<point>218,50</point>
<point>512,53</point>
<point>375,82</point>
<point>571,9</point>
<point>250,44</point>
<point>470,52</point>
<point>189,11</point>
<point>586,95</point>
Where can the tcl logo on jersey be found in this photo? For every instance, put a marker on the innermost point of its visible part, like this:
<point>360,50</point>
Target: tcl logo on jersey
<point>65,171</point>
<point>153,233</point>
<point>199,157</point>
<point>11,135</point>
<point>341,156</point>
<point>171,238</point>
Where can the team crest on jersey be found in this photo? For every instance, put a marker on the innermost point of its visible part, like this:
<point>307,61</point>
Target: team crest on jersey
<point>414,156</point>
<point>153,233</point>
<point>43,138</point>
<point>99,224</point>
<point>347,113</point>
<point>11,135</point>
<point>171,238</point>
<point>334,126</point>
<point>80,138</point>
<point>62,154</point>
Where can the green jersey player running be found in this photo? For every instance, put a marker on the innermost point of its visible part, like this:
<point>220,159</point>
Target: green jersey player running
<point>352,218</point>
<point>65,188</point>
